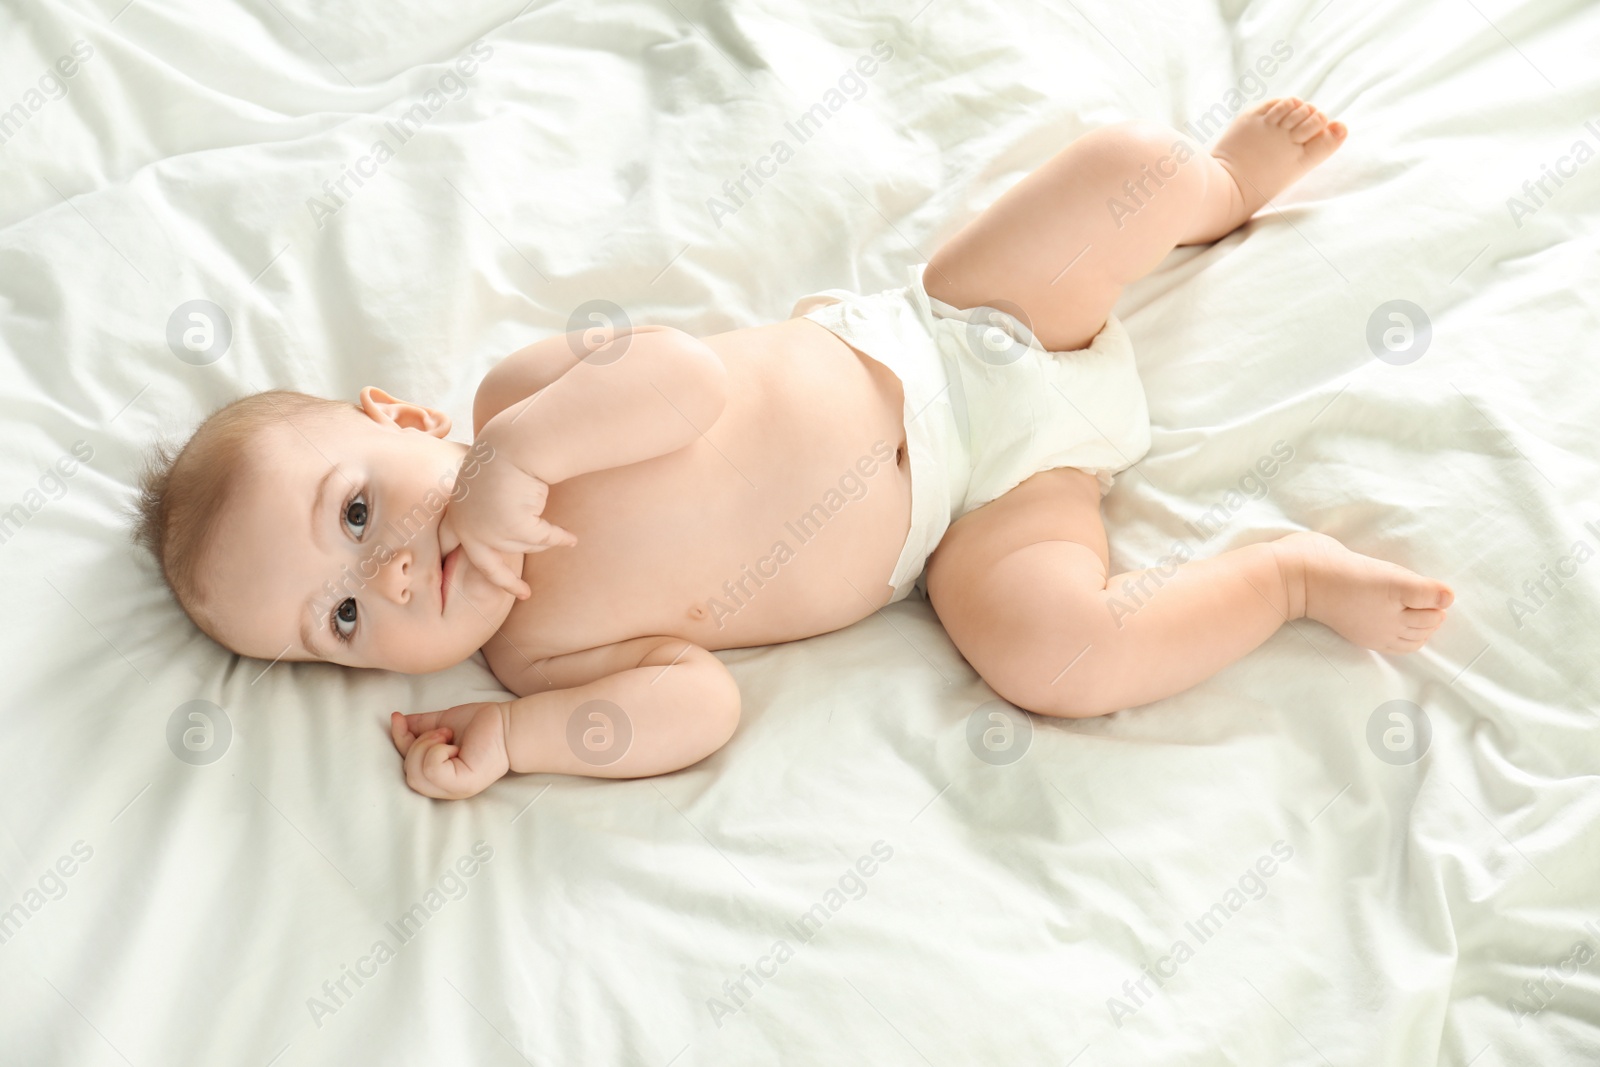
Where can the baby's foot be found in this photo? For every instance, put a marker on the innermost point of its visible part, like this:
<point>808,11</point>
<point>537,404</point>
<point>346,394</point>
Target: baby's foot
<point>1368,602</point>
<point>1268,149</point>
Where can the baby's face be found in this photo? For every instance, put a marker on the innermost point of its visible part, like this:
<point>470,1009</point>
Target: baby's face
<point>330,548</point>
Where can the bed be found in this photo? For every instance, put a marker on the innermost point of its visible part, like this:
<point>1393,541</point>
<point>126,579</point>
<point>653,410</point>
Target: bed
<point>1321,856</point>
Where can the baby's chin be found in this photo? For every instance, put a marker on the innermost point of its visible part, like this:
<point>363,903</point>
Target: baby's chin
<point>442,652</point>
<point>431,664</point>
<point>437,653</point>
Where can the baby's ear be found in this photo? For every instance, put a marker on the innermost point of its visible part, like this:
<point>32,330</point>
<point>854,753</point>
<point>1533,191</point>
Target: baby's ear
<point>403,415</point>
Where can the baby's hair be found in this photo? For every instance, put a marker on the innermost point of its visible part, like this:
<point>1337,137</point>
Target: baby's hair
<point>183,489</point>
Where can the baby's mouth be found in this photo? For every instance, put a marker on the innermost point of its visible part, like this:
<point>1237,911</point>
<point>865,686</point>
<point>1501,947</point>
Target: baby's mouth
<point>447,570</point>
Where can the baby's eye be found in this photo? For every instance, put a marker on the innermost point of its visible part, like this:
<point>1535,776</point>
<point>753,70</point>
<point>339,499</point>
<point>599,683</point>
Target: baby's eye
<point>344,615</point>
<point>355,515</point>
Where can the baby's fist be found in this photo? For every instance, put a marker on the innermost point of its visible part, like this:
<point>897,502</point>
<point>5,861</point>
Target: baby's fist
<point>456,753</point>
<point>501,513</point>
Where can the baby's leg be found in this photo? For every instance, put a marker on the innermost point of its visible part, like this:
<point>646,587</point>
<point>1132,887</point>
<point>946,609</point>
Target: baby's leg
<point>1104,211</point>
<point>1021,587</point>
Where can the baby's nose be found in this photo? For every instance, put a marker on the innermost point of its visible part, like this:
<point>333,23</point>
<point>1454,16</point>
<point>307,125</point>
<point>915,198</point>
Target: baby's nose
<point>394,580</point>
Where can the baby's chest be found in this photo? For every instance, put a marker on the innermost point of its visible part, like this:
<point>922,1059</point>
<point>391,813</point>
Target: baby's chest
<point>730,541</point>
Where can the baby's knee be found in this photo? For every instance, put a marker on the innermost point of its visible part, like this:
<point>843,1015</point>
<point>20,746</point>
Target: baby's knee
<point>1070,694</point>
<point>1142,143</point>
<point>1142,158</point>
<point>1070,669</point>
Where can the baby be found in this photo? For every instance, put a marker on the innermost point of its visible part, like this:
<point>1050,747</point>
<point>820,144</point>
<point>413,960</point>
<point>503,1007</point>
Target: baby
<point>634,498</point>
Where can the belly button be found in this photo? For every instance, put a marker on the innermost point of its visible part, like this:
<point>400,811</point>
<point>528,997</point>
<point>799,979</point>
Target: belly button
<point>696,611</point>
<point>900,455</point>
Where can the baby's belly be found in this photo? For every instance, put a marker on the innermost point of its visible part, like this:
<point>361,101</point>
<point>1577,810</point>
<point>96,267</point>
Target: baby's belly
<point>784,520</point>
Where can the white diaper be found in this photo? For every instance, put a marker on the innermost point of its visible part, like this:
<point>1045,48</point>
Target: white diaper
<point>986,406</point>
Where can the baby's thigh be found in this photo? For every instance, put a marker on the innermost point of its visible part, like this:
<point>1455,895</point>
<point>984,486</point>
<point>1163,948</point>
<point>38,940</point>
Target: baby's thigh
<point>1050,247</point>
<point>1018,583</point>
<point>1054,505</point>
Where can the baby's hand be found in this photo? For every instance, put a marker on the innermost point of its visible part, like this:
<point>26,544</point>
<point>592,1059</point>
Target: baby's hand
<point>437,768</point>
<point>500,511</point>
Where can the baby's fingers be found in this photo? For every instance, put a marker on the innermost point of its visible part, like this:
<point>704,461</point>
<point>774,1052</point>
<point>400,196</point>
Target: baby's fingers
<point>439,766</point>
<point>422,765</point>
<point>549,535</point>
<point>400,733</point>
<point>488,561</point>
<point>405,729</point>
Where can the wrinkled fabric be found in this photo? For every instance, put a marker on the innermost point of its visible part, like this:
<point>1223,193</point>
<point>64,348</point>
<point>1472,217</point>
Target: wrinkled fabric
<point>873,869</point>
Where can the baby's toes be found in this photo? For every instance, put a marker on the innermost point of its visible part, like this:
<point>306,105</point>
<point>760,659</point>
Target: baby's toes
<point>1276,109</point>
<point>1417,625</point>
<point>1323,143</point>
<point>1422,618</point>
<point>1401,646</point>
<point>1297,113</point>
<point>1308,127</point>
<point>1418,591</point>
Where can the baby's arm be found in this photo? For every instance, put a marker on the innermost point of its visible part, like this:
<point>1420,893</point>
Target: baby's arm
<point>532,367</point>
<point>636,708</point>
<point>640,395</point>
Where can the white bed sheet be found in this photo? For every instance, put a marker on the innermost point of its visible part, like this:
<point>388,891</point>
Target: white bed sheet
<point>1409,905</point>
